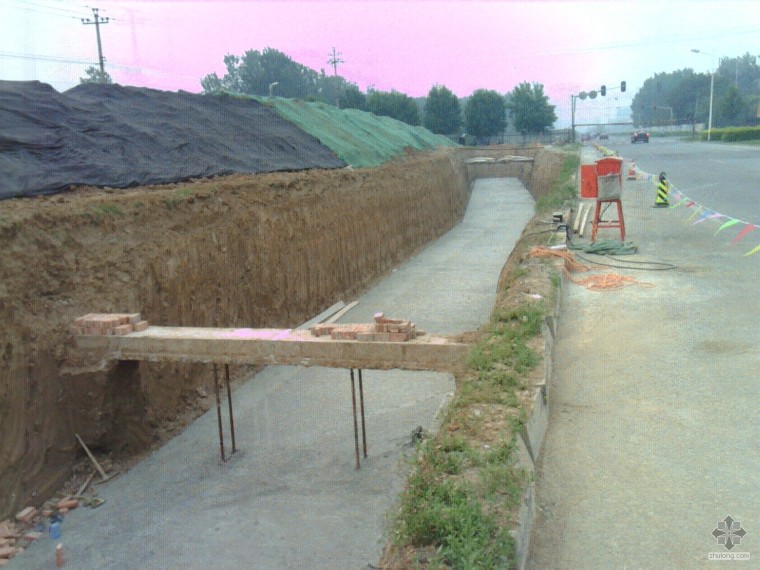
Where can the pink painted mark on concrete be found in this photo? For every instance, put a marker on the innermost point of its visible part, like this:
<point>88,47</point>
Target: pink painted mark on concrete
<point>261,334</point>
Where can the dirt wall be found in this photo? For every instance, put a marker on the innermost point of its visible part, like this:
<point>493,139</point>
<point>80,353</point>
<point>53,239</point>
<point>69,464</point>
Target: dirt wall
<point>270,250</point>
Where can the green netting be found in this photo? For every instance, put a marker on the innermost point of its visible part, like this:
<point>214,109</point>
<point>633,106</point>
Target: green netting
<point>361,139</point>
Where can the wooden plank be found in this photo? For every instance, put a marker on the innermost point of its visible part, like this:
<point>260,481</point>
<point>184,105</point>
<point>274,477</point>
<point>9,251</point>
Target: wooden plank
<point>577,220</point>
<point>585,219</point>
<point>342,312</point>
<point>322,316</point>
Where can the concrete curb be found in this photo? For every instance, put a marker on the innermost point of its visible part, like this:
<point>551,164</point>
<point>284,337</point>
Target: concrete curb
<point>530,442</point>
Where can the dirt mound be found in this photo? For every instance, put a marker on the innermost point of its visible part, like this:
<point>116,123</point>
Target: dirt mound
<point>115,136</point>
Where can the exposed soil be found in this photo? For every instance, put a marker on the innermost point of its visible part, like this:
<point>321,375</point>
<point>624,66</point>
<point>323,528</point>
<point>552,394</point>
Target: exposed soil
<point>268,250</point>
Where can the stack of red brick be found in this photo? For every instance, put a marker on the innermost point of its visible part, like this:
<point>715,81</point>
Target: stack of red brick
<point>383,329</point>
<point>13,540</point>
<point>108,324</point>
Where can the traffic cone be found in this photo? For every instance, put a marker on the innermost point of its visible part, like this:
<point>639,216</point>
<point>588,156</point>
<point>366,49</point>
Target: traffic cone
<point>632,172</point>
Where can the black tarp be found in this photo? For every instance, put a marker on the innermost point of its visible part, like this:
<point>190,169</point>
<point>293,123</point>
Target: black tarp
<point>116,136</point>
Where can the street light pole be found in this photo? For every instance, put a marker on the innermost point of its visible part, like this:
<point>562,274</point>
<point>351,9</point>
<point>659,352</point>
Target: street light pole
<point>709,120</point>
<point>572,111</point>
<point>712,85</point>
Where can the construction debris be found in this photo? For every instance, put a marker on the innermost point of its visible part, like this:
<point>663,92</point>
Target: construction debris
<point>108,324</point>
<point>384,329</point>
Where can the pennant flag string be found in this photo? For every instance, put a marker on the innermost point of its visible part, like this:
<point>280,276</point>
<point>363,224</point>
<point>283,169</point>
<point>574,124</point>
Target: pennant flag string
<point>747,229</point>
<point>727,224</point>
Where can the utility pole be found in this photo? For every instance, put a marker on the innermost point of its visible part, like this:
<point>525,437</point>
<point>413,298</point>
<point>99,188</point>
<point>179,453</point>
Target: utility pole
<point>97,21</point>
<point>334,61</point>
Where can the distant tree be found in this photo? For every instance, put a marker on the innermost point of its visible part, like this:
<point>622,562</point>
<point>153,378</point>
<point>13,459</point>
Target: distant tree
<point>731,107</point>
<point>352,98</point>
<point>443,115</point>
<point>686,92</point>
<point>394,104</point>
<point>530,109</point>
<point>95,76</point>
<point>255,71</point>
<point>744,72</point>
<point>751,110</point>
<point>485,114</point>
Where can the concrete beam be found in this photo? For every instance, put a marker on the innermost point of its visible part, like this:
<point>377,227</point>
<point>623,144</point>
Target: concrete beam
<point>276,346</point>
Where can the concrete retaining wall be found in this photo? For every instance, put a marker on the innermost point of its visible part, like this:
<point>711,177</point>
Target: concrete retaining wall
<point>530,442</point>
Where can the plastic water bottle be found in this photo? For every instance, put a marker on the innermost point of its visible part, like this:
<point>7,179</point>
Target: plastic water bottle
<point>55,530</point>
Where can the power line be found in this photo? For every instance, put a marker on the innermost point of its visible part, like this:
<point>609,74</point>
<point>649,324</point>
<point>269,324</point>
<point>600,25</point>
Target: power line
<point>111,65</point>
<point>44,9</point>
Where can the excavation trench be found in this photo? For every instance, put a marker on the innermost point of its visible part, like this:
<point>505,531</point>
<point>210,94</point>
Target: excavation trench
<point>269,250</point>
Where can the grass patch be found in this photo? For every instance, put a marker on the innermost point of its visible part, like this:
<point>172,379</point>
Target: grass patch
<point>184,194</point>
<point>98,213</point>
<point>460,491</point>
<point>564,188</point>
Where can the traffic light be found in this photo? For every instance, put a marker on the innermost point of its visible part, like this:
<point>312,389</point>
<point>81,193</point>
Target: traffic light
<point>603,90</point>
<point>622,86</point>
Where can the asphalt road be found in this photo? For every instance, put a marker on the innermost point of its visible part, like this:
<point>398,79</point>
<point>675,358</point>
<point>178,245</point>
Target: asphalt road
<point>722,177</point>
<point>653,428</point>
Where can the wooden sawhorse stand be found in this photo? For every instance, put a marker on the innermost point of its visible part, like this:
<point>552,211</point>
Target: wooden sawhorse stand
<point>599,223</point>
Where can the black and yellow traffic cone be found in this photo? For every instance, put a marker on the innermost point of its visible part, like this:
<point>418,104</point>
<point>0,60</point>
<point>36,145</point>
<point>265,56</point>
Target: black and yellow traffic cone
<point>663,187</point>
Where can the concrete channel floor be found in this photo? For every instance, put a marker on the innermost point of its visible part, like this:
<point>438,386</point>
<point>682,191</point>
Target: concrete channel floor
<point>653,428</point>
<point>291,498</point>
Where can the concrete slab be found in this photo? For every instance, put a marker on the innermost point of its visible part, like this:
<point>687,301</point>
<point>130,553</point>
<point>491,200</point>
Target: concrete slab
<point>291,498</point>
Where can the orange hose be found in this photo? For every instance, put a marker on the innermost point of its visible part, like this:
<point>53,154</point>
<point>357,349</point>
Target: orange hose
<point>604,282</point>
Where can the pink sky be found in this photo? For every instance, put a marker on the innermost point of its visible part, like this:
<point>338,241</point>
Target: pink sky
<point>405,45</point>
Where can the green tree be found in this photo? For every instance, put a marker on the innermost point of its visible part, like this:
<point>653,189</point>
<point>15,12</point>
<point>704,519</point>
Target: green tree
<point>443,115</point>
<point>485,114</point>
<point>352,98</point>
<point>394,104</point>
<point>743,72</point>
<point>731,107</point>
<point>95,76</point>
<point>530,109</point>
<point>254,72</point>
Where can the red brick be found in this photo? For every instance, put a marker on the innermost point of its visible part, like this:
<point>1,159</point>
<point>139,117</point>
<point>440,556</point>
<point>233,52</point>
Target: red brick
<point>32,535</point>
<point>26,514</point>
<point>141,325</point>
<point>81,321</point>
<point>122,330</point>
<point>7,529</point>
<point>365,336</point>
<point>398,337</point>
<point>68,503</point>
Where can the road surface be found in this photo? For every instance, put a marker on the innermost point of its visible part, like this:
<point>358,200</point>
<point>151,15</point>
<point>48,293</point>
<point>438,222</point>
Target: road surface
<point>653,432</point>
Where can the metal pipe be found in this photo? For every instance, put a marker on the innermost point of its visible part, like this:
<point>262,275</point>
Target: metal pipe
<point>356,427</point>
<point>229,404</point>
<point>219,412</point>
<point>361,404</point>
